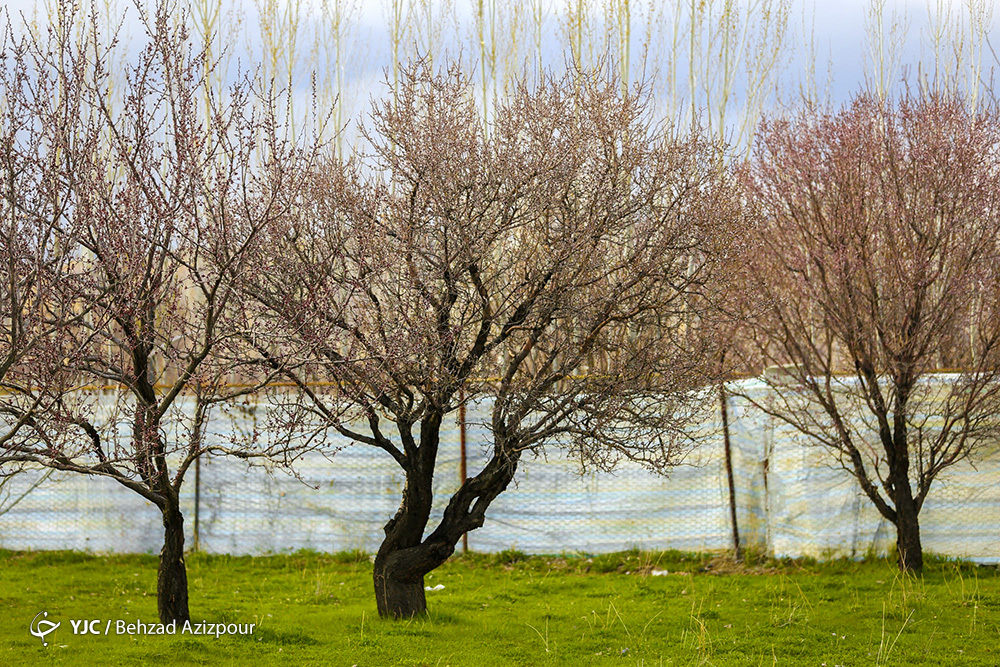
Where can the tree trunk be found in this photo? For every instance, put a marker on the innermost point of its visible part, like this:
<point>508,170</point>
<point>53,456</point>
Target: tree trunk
<point>399,576</point>
<point>398,595</point>
<point>908,547</point>
<point>405,556</point>
<point>171,580</point>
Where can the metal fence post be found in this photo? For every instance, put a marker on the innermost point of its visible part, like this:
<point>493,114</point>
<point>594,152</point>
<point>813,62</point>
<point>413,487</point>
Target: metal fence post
<point>724,410</point>
<point>197,503</point>
<point>462,473</point>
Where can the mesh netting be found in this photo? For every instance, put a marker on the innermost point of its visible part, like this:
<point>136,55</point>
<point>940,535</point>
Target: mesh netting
<point>791,501</point>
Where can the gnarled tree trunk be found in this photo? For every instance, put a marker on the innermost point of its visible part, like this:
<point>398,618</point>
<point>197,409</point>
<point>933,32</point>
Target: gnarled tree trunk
<point>405,557</point>
<point>399,577</point>
<point>396,596</point>
<point>399,573</point>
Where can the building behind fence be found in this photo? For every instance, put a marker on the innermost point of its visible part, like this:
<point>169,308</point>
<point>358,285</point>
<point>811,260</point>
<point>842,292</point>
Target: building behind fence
<point>791,500</point>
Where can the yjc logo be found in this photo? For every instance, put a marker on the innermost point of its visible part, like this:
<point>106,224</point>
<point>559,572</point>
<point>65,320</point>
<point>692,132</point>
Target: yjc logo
<point>40,628</point>
<point>85,626</point>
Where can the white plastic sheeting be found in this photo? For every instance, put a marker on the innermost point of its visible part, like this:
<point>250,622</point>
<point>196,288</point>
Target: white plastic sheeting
<point>791,501</point>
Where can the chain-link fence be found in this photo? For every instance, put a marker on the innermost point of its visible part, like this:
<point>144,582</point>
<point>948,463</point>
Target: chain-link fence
<point>791,500</point>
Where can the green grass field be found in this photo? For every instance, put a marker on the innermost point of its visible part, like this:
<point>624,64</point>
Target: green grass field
<point>505,609</point>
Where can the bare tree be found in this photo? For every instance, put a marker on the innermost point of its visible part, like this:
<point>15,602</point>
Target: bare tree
<point>542,266</point>
<point>164,217</point>
<point>39,119</point>
<point>876,258</point>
